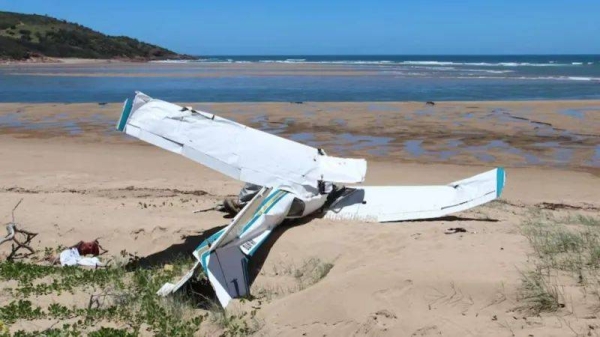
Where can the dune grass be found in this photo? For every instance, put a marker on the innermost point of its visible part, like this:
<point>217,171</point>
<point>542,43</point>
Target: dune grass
<point>310,272</point>
<point>538,293</point>
<point>561,244</point>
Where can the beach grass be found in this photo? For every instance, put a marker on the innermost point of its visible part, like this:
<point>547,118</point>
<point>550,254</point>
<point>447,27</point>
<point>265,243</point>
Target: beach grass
<point>307,274</point>
<point>538,293</point>
<point>562,245</point>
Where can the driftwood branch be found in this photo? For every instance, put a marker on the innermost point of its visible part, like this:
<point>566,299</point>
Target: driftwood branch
<point>18,242</point>
<point>214,208</point>
<point>13,210</point>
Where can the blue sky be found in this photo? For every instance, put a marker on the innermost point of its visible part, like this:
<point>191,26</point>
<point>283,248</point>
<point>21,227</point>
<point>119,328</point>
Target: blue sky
<point>221,27</point>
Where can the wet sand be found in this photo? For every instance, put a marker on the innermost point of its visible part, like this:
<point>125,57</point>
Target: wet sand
<point>109,68</point>
<point>552,134</point>
<point>80,180</point>
<point>83,67</point>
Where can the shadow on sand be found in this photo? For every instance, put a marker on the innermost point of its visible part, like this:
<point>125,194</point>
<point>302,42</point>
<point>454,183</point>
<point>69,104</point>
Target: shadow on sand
<point>453,218</point>
<point>185,249</point>
<point>201,292</point>
<point>173,252</point>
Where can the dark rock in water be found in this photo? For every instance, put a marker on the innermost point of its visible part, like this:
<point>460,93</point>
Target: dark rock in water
<point>102,103</point>
<point>430,103</point>
<point>299,102</point>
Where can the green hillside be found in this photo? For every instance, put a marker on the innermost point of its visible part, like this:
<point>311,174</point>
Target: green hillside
<point>27,35</point>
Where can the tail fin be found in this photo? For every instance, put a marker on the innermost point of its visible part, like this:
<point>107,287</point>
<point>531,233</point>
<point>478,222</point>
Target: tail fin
<point>224,256</point>
<point>227,271</point>
<point>225,268</point>
<point>225,261</point>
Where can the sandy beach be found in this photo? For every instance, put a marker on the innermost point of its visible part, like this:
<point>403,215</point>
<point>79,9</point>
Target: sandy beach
<point>483,114</point>
<point>80,180</point>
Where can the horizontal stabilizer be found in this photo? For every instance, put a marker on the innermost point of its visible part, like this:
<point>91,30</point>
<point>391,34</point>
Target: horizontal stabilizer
<point>170,288</point>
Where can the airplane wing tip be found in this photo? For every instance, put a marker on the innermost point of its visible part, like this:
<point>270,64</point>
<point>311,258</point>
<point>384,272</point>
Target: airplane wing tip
<point>500,180</point>
<point>127,106</point>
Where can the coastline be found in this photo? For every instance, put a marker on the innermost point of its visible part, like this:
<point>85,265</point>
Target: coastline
<point>67,61</point>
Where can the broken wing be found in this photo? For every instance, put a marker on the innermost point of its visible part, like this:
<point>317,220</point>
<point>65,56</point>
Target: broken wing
<point>233,149</point>
<point>399,203</point>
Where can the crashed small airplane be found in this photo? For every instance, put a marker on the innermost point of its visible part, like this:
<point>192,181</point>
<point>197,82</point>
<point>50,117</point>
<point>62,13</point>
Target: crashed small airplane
<point>295,181</point>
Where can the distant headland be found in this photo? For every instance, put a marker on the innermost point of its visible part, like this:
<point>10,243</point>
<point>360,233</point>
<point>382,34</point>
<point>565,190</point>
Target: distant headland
<point>42,38</point>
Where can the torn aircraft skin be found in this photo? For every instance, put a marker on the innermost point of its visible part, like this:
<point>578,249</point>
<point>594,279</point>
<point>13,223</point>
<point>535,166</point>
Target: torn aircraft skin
<point>293,186</point>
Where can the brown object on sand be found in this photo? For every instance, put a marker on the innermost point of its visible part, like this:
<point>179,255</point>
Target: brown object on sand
<point>89,248</point>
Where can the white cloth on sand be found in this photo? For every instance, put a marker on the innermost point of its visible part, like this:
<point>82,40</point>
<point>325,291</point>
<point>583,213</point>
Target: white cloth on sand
<point>71,257</point>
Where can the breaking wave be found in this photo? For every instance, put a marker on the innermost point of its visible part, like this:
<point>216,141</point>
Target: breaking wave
<point>383,62</point>
<point>576,70</point>
<point>534,78</point>
<point>488,64</point>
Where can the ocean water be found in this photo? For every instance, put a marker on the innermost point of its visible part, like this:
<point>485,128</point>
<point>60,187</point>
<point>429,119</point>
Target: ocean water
<point>313,78</point>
